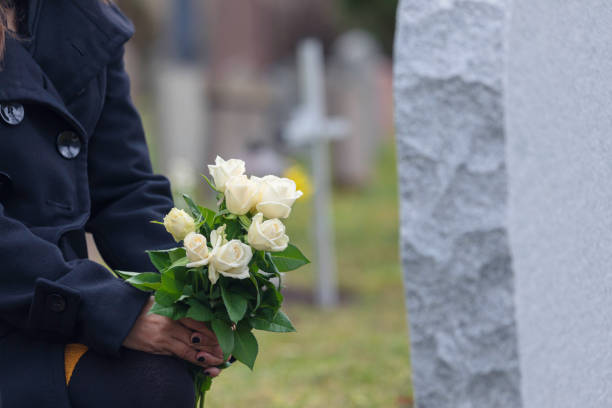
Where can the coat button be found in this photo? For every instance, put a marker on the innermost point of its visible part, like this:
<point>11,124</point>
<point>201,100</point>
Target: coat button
<point>12,113</point>
<point>68,144</point>
<point>56,302</point>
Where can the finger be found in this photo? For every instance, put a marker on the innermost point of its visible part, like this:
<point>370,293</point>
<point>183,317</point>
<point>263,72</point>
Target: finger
<point>212,371</point>
<point>185,352</point>
<point>202,343</point>
<point>199,327</point>
<point>208,358</point>
<point>195,340</point>
<point>180,332</point>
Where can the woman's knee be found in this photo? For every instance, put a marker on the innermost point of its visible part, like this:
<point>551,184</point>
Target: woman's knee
<point>135,380</point>
<point>167,383</point>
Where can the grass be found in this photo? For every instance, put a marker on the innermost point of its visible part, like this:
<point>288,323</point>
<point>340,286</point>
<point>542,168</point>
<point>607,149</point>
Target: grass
<point>356,355</point>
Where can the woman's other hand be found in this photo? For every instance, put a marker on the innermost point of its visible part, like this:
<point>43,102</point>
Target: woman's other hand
<point>185,338</point>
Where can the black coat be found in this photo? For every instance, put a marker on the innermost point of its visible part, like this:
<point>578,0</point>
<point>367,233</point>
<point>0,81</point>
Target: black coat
<point>73,158</point>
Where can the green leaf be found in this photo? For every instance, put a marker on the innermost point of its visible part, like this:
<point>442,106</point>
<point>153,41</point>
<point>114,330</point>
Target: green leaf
<point>233,229</point>
<point>160,259</point>
<point>165,298</point>
<point>198,311</point>
<point>163,258</point>
<point>225,335</point>
<point>235,304</point>
<point>195,211</point>
<point>279,324</point>
<point>175,312</point>
<point>179,263</point>
<point>210,183</point>
<point>167,311</point>
<point>176,254</point>
<point>170,284</point>
<point>258,302</point>
<point>145,281</point>
<point>126,275</point>
<point>289,259</point>
<point>246,293</point>
<point>208,215</point>
<point>245,221</point>
<point>201,384</point>
<point>223,212</point>
<point>270,295</point>
<point>245,345</point>
<point>260,260</point>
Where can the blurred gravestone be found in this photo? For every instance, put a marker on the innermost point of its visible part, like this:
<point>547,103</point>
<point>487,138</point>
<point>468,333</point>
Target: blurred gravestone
<point>240,116</point>
<point>181,103</point>
<point>559,125</point>
<point>181,106</point>
<point>353,81</point>
<point>456,260</point>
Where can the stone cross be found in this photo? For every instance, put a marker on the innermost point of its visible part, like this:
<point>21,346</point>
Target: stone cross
<point>310,126</point>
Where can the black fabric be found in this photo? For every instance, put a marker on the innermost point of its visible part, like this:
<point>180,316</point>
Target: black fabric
<point>70,77</point>
<point>134,380</point>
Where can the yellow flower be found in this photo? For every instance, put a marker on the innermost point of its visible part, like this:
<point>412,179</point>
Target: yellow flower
<point>298,174</point>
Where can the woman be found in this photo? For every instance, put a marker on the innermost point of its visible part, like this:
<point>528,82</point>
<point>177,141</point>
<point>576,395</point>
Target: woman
<point>73,159</point>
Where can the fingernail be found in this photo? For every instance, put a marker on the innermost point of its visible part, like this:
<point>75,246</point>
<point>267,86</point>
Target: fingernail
<point>201,359</point>
<point>195,340</point>
<point>232,359</point>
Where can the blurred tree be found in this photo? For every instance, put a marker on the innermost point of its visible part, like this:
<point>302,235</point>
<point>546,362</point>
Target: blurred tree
<point>378,17</point>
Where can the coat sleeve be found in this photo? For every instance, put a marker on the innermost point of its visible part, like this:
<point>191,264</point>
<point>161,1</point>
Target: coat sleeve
<point>62,301</point>
<point>80,300</point>
<point>125,193</point>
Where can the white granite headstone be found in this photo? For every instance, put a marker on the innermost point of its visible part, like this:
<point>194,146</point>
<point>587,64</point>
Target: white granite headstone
<point>452,175</point>
<point>559,134</point>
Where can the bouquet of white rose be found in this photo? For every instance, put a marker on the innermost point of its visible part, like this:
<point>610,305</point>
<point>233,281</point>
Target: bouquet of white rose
<point>223,274</point>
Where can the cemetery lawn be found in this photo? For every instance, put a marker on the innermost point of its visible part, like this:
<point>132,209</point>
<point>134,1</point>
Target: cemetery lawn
<point>356,355</point>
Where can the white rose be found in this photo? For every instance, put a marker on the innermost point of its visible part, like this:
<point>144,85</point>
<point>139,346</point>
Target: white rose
<point>241,194</point>
<point>179,224</point>
<point>267,235</point>
<point>223,170</point>
<point>196,249</point>
<point>276,196</point>
<point>230,259</point>
<point>217,239</point>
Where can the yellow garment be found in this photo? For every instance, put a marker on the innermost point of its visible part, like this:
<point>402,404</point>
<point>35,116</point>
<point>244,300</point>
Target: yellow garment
<point>72,353</point>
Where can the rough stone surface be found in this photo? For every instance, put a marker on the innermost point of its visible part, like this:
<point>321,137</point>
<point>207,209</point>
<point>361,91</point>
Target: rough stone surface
<point>457,266</point>
<point>559,127</point>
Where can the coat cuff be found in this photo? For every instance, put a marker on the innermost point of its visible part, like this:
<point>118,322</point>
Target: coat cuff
<point>88,305</point>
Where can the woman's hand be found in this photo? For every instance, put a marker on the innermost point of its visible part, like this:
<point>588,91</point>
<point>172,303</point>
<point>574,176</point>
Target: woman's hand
<point>185,338</point>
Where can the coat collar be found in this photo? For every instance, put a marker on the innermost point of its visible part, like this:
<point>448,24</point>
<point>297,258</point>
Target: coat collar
<point>71,42</point>
<point>74,39</point>
<point>22,79</point>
